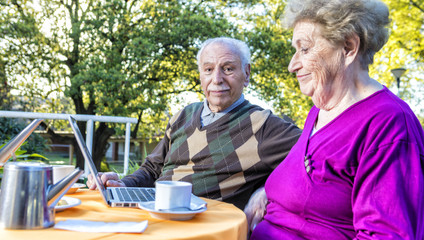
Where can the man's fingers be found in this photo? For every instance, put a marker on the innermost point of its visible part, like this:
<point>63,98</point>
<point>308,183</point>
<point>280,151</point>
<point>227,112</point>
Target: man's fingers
<point>109,176</point>
<point>113,183</point>
<point>91,184</point>
<point>103,178</point>
<point>109,179</point>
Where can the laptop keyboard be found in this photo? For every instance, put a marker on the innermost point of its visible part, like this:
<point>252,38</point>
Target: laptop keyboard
<point>136,194</point>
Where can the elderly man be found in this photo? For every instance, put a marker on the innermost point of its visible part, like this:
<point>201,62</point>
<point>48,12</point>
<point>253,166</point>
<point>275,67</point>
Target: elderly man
<point>225,146</point>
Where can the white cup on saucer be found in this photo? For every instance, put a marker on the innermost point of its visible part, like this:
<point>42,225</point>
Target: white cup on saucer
<point>172,194</point>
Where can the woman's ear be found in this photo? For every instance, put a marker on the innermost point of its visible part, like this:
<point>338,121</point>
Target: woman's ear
<point>351,48</point>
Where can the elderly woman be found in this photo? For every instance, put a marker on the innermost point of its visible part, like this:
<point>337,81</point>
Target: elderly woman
<point>356,172</point>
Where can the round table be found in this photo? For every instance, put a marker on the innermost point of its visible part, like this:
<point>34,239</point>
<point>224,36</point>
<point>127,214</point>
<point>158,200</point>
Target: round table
<point>220,221</point>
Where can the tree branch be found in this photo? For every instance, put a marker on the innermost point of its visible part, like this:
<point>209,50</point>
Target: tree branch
<point>416,5</point>
<point>57,138</point>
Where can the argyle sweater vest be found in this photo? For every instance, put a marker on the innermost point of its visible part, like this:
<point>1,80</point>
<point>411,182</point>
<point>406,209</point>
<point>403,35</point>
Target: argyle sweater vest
<point>220,159</point>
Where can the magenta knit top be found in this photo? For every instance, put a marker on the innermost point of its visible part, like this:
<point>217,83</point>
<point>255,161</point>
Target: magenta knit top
<point>359,177</point>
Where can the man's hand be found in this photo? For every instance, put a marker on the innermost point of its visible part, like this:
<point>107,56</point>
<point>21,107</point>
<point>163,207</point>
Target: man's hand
<point>109,179</point>
<point>255,208</point>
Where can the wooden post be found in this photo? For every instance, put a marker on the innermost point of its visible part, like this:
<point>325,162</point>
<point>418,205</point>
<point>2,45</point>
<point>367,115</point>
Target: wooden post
<point>71,154</point>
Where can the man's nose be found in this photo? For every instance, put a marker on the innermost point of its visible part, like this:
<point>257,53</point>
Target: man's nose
<point>217,77</point>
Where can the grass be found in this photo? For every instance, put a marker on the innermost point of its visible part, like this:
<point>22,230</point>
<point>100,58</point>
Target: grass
<point>53,159</point>
<point>63,159</point>
<point>58,158</point>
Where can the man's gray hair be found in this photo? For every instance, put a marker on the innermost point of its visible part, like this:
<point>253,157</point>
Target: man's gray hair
<point>341,19</point>
<point>238,46</point>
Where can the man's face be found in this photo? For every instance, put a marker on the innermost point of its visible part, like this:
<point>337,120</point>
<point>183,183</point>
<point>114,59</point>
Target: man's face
<point>222,76</point>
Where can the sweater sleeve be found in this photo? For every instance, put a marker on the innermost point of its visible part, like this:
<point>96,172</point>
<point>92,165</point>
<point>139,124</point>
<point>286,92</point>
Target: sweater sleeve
<point>277,137</point>
<point>151,169</point>
<point>388,193</point>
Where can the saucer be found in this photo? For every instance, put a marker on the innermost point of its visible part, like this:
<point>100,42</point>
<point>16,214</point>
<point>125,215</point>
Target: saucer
<point>69,202</point>
<point>75,188</point>
<point>176,215</point>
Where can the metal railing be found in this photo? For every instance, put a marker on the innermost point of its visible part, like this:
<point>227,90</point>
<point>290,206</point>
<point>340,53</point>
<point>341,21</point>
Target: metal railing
<point>90,119</point>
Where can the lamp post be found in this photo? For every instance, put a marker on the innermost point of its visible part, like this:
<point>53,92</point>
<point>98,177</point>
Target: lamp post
<point>398,72</point>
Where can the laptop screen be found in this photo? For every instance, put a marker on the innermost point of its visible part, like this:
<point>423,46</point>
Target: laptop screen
<point>88,158</point>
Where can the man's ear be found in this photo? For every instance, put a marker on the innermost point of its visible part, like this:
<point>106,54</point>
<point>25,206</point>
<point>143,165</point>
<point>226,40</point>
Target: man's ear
<point>247,73</point>
<point>351,48</point>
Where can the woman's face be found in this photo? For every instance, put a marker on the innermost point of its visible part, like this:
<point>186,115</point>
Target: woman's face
<point>318,64</point>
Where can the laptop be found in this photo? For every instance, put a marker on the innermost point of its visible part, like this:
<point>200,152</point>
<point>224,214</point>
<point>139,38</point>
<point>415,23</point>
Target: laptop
<point>113,196</point>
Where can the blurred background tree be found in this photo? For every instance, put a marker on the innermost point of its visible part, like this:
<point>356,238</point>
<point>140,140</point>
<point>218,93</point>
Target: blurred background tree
<point>121,58</point>
<point>405,49</point>
<point>137,58</point>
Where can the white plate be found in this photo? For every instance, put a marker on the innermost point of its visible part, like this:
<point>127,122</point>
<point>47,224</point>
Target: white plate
<point>70,202</point>
<point>174,215</point>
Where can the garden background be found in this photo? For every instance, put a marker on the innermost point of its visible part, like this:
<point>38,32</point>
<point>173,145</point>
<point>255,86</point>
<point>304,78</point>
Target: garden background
<point>137,59</point>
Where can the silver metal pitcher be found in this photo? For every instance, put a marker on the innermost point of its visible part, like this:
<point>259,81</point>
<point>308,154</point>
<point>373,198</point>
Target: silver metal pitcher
<point>28,196</point>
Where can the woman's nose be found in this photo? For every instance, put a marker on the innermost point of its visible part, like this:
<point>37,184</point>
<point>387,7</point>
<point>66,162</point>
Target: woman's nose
<point>295,64</point>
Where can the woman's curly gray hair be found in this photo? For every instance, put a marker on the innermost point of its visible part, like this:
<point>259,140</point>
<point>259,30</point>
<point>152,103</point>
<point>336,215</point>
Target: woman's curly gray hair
<point>341,19</point>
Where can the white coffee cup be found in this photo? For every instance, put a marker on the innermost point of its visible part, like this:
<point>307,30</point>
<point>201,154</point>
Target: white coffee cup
<point>172,194</point>
<point>61,171</point>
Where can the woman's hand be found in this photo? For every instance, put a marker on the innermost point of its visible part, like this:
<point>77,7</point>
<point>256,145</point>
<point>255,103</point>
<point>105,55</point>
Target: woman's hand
<point>109,179</point>
<point>256,208</point>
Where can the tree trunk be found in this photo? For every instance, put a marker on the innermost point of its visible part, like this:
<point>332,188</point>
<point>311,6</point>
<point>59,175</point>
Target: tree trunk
<point>56,138</point>
<point>100,143</point>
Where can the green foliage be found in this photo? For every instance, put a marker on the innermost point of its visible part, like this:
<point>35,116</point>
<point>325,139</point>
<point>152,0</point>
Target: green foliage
<point>132,167</point>
<point>104,166</point>
<point>405,48</point>
<point>271,53</point>
<point>120,58</point>
<point>130,58</point>
<point>421,119</point>
<point>34,144</point>
<point>112,57</point>
<point>20,155</point>
<point>29,150</point>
